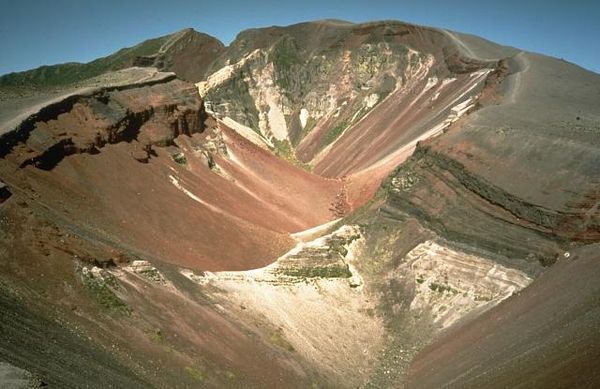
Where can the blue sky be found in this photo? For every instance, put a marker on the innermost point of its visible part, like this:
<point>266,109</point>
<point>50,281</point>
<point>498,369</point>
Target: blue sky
<point>33,33</point>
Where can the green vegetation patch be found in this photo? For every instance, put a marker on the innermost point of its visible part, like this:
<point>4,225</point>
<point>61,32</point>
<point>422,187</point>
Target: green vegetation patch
<point>102,291</point>
<point>155,335</point>
<point>334,133</point>
<point>441,288</point>
<point>415,59</point>
<point>483,298</point>
<point>229,375</point>
<point>285,56</point>
<point>311,122</point>
<point>333,271</point>
<point>338,245</point>
<point>283,149</point>
<point>69,73</point>
<point>277,338</point>
<point>150,273</point>
<point>405,177</point>
<point>180,159</point>
<point>195,373</point>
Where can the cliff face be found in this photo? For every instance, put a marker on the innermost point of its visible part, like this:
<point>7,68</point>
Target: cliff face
<point>345,100</point>
<point>152,114</point>
<point>306,84</point>
<point>463,207</point>
<point>295,79</point>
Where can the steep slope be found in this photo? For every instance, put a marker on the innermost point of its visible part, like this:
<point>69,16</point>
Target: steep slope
<point>175,174</point>
<point>106,177</point>
<point>530,155</point>
<point>348,100</point>
<point>506,168</point>
<point>541,338</point>
<point>514,182</point>
<point>32,340</point>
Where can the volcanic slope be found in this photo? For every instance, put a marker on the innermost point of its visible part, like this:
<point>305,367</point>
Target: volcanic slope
<point>349,100</point>
<point>153,220</point>
<point>112,177</point>
<point>168,53</point>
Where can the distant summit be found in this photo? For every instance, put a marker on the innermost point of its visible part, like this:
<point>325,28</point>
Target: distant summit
<point>186,52</point>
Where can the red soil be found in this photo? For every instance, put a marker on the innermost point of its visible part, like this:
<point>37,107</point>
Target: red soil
<point>370,150</point>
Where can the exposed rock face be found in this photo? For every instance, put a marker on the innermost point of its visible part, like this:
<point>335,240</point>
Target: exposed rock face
<point>544,337</point>
<point>536,165</point>
<point>152,115</point>
<point>452,284</point>
<point>287,82</point>
<point>192,165</point>
<point>316,93</point>
<point>446,196</point>
<point>325,257</point>
<point>145,269</point>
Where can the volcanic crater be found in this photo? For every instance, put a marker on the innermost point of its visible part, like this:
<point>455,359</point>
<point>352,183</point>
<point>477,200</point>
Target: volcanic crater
<point>325,204</point>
